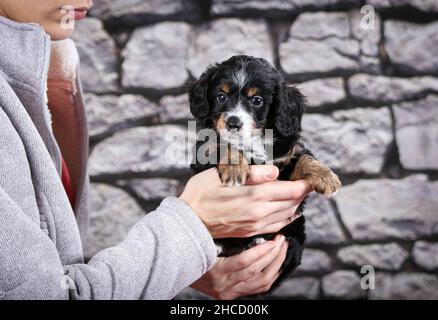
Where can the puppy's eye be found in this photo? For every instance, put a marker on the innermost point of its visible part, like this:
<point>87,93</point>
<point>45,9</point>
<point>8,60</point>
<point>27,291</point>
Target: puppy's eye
<point>222,98</point>
<point>257,101</point>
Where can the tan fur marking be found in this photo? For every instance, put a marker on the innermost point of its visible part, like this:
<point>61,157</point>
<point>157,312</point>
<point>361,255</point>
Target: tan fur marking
<point>251,92</point>
<point>322,179</point>
<point>233,168</point>
<point>220,123</point>
<point>225,88</point>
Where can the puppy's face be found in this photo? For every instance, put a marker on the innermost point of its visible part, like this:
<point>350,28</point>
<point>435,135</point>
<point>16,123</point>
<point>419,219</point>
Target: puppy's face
<point>243,96</point>
<point>240,100</point>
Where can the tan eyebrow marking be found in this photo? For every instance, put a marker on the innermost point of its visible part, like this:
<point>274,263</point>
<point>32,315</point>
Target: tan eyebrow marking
<point>251,92</point>
<point>225,88</point>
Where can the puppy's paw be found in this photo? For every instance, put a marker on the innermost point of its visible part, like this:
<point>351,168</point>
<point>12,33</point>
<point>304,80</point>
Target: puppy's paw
<point>234,174</point>
<point>326,183</point>
<point>322,179</point>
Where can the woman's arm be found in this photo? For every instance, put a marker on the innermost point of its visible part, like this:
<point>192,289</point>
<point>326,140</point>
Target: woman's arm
<point>163,253</point>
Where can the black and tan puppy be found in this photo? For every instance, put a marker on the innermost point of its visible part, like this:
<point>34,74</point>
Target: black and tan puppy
<point>243,97</point>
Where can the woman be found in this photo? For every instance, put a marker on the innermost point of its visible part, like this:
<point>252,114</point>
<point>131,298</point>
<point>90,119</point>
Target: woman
<point>43,190</point>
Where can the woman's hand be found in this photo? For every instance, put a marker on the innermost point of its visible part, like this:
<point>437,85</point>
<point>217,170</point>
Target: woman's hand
<point>265,206</point>
<point>250,272</point>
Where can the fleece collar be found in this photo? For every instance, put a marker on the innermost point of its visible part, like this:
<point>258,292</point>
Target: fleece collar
<point>25,54</point>
<point>24,63</point>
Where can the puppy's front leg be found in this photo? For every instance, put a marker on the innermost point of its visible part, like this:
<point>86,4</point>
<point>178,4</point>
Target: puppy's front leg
<point>322,179</point>
<point>233,168</point>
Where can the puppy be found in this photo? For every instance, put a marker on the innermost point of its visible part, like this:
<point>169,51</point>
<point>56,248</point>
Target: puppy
<point>240,99</point>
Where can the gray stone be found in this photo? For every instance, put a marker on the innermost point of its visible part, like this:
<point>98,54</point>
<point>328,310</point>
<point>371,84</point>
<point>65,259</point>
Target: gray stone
<point>121,38</point>
<point>321,224</point>
<point>227,7</point>
<point>368,33</point>
<point>153,150</point>
<point>220,39</point>
<point>155,57</point>
<point>298,287</point>
<point>320,43</point>
<point>298,57</point>
<point>405,286</point>
<point>314,260</point>
<point>108,113</point>
<point>370,65</point>
<point>322,92</point>
<point>351,141</point>
<point>135,12</point>
<point>346,47</point>
<point>425,255</point>
<point>112,214</point>
<point>384,209</point>
<point>275,7</point>
<point>342,284</point>
<point>320,25</point>
<point>99,61</point>
<point>412,47</point>
<point>153,189</point>
<point>424,5</point>
<point>434,186</point>
<point>175,108</point>
<point>380,286</point>
<point>417,133</point>
<point>382,256</point>
<point>381,89</point>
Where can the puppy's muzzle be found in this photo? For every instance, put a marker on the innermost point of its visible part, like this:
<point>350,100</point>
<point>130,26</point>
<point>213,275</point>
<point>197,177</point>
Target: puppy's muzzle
<point>233,122</point>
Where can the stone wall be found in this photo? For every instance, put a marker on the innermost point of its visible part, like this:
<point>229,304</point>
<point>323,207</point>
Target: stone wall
<point>372,116</point>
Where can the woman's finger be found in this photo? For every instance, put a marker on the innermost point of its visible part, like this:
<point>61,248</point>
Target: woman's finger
<point>272,272</point>
<point>262,173</point>
<point>270,191</point>
<point>272,269</point>
<point>275,227</point>
<point>260,210</point>
<point>263,281</point>
<point>288,214</point>
<point>247,257</point>
<point>283,190</point>
<point>258,265</point>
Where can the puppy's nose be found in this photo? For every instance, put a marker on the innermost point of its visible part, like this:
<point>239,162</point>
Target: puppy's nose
<point>233,122</point>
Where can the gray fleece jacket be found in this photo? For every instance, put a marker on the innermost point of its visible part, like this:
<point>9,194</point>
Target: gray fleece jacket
<point>41,253</point>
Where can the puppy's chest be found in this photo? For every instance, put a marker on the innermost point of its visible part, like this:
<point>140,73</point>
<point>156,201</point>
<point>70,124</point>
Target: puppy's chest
<point>284,160</point>
<point>285,167</point>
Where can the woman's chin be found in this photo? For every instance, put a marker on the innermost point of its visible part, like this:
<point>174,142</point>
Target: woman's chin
<point>57,32</point>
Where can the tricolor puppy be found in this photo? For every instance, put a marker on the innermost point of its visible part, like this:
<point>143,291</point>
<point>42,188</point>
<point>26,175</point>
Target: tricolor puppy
<point>240,99</point>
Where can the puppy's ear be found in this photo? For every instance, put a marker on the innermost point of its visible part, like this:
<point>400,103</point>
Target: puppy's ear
<point>289,110</point>
<point>199,105</point>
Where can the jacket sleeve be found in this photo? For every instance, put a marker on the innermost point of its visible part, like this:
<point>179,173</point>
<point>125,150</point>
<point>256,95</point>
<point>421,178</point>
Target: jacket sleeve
<point>163,253</point>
